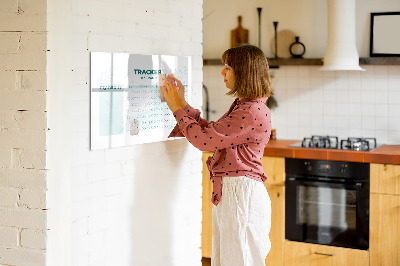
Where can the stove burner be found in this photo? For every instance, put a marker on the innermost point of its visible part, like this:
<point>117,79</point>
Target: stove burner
<point>328,142</point>
<point>332,142</point>
<point>358,144</point>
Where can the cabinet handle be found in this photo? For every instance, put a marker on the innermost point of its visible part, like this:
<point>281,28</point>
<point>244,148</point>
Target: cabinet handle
<point>324,254</point>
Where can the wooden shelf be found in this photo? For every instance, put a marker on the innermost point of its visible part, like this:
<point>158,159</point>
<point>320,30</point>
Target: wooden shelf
<point>274,63</point>
<point>380,61</point>
<point>212,62</point>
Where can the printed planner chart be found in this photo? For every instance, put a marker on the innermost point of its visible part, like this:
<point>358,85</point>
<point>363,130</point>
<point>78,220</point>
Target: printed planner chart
<point>127,105</point>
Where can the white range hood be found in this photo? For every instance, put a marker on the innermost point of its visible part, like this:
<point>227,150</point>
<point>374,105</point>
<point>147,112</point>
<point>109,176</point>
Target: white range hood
<point>341,51</point>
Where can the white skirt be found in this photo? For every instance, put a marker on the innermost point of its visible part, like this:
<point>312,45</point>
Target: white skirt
<point>241,223</point>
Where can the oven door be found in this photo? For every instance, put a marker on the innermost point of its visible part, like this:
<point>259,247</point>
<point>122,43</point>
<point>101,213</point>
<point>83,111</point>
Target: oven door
<point>327,213</point>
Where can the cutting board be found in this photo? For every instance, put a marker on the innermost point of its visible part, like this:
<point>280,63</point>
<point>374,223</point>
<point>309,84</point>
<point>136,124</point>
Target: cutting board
<point>239,35</point>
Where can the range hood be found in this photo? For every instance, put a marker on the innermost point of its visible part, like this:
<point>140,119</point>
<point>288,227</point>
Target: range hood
<point>341,51</point>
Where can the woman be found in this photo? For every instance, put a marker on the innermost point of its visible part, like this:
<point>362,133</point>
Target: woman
<point>242,208</point>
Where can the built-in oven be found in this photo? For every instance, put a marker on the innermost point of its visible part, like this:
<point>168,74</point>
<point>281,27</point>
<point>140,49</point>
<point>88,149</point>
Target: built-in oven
<point>327,202</point>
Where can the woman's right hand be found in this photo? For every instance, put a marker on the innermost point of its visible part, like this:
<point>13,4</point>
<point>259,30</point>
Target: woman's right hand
<point>181,90</point>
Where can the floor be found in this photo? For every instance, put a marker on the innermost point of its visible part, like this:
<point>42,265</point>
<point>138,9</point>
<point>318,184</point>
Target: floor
<point>206,261</point>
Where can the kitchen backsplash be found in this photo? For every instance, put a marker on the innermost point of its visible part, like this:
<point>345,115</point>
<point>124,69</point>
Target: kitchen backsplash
<point>314,102</point>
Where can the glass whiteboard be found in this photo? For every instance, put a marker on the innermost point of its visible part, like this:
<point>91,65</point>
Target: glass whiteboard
<point>126,101</point>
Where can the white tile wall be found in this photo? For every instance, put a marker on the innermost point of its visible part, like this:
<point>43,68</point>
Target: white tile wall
<point>312,102</point>
<point>342,103</point>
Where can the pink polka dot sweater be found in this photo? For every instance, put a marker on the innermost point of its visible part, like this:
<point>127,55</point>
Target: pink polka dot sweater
<point>238,139</point>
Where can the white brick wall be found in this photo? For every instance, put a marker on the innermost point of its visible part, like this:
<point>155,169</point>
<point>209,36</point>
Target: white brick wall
<point>112,207</point>
<point>23,126</point>
<point>11,256</point>
<point>9,197</point>
<point>9,237</point>
<point>23,218</point>
<point>138,205</point>
<point>33,239</point>
<point>23,178</point>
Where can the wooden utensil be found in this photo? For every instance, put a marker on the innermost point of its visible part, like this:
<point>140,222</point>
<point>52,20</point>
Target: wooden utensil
<point>239,35</point>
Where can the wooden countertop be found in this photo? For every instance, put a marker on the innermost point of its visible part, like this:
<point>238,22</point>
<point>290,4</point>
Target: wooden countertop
<point>389,154</point>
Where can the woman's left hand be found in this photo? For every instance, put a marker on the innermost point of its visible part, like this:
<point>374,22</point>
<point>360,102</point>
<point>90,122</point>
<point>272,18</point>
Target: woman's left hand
<point>170,91</point>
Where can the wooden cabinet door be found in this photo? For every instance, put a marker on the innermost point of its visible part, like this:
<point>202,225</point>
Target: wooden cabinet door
<point>304,254</point>
<point>385,178</point>
<point>277,233</point>
<point>206,226</point>
<point>384,237</point>
<point>274,168</point>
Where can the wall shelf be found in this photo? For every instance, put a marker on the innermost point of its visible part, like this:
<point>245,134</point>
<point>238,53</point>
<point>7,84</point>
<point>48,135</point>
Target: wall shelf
<point>274,63</point>
<point>380,61</point>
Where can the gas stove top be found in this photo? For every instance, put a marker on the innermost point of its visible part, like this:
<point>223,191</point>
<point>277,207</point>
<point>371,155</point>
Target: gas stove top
<point>332,142</point>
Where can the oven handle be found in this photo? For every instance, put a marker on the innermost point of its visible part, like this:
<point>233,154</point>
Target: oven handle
<point>324,254</point>
<point>357,185</point>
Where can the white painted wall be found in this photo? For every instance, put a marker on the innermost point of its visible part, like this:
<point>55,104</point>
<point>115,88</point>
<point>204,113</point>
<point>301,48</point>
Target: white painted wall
<point>311,102</point>
<point>23,133</point>
<point>306,19</point>
<point>138,205</point>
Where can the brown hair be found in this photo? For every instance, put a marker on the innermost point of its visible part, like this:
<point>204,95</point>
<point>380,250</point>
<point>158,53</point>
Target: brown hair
<point>250,66</point>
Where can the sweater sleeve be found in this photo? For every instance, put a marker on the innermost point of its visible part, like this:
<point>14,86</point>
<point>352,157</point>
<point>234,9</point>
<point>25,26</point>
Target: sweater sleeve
<point>231,130</point>
<point>193,113</point>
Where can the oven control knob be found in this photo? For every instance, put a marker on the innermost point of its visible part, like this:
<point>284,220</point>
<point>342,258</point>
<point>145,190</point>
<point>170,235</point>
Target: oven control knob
<point>308,166</point>
<point>343,168</point>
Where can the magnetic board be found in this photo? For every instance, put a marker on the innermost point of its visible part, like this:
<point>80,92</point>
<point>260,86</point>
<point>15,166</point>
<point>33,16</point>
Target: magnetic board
<point>126,102</point>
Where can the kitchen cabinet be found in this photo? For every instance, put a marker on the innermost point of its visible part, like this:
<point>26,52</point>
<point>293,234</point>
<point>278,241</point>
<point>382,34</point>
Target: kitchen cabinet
<point>277,233</point>
<point>385,230</point>
<point>384,221</point>
<point>206,225</point>
<point>274,168</point>
<point>305,254</point>
<point>384,245</point>
<point>385,178</point>
<point>385,215</point>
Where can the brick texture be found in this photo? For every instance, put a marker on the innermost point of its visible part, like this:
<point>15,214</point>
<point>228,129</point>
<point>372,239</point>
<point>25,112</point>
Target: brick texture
<point>45,73</point>
<point>9,237</point>
<point>23,125</point>
<point>8,197</point>
<point>17,256</point>
<point>33,239</point>
<point>23,218</point>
